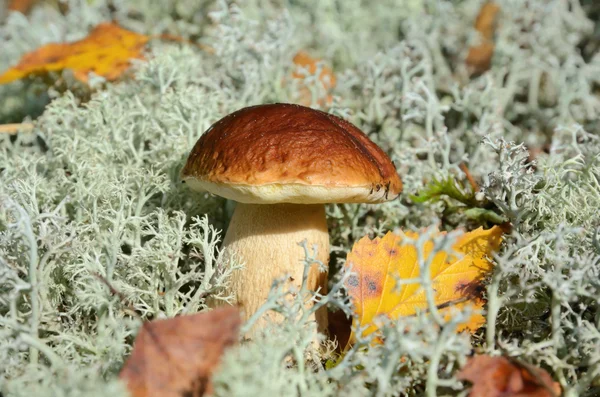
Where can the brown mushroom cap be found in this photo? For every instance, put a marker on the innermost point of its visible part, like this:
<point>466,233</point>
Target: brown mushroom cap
<point>282,153</point>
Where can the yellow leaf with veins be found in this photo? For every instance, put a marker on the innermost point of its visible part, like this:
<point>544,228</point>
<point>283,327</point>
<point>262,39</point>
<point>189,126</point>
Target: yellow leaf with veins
<point>379,264</point>
<point>106,51</point>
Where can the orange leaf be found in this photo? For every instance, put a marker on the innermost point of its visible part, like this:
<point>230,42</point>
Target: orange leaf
<point>177,356</point>
<point>305,61</point>
<point>379,263</point>
<point>480,56</point>
<point>22,6</point>
<point>326,77</point>
<point>501,377</point>
<point>106,52</point>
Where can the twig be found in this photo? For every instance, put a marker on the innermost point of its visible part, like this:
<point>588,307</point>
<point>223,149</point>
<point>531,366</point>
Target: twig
<point>117,293</point>
<point>472,182</point>
<point>452,303</point>
<point>15,128</point>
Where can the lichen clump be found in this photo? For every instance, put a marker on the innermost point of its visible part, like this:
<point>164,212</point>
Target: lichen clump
<point>94,189</point>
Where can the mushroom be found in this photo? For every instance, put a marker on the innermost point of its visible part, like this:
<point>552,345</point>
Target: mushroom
<point>282,163</point>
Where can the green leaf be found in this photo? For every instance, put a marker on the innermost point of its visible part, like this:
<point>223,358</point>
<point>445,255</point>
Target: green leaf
<point>445,187</point>
<point>482,215</point>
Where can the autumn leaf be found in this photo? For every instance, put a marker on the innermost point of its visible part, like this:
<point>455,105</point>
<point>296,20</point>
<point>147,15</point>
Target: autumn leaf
<point>176,357</point>
<point>303,60</point>
<point>480,56</point>
<point>308,66</point>
<point>501,377</point>
<point>22,6</point>
<point>378,265</point>
<point>106,51</point>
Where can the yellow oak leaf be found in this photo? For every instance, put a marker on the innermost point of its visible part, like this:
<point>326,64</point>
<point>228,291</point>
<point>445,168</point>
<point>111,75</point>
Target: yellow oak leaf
<point>106,51</point>
<point>379,264</point>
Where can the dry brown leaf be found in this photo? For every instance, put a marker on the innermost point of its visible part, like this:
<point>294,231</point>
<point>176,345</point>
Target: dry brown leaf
<point>308,64</point>
<point>106,51</point>
<point>499,377</point>
<point>176,357</point>
<point>480,56</point>
<point>381,262</point>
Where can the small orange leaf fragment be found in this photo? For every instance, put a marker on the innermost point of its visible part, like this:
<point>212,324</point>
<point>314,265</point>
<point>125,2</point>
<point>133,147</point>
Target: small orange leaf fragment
<point>480,56</point>
<point>106,51</point>
<point>303,60</point>
<point>499,377</point>
<point>381,262</point>
<point>177,356</point>
<point>22,6</point>
<point>308,66</point>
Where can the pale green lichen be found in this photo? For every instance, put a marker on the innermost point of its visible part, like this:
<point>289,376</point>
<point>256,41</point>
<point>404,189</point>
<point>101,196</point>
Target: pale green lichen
<point>94,188</point>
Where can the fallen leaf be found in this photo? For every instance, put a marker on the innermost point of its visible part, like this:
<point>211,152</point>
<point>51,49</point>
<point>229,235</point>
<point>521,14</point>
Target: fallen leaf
<point>22,6</point>
<point>480,56</point>
<point>176,357</point>
<point>485,23</point>
<point>379,263</point>
<point>305,61</point>
<point>501,377</point>
<point>106,51</point>
<point>308,66</point>
<point>339,327</point>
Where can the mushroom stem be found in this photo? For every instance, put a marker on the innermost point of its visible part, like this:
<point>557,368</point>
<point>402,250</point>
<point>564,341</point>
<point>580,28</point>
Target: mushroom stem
<point>266,238</point>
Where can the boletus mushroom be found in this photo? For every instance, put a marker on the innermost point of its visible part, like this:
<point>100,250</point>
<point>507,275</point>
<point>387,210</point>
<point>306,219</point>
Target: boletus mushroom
<point>282,163</point>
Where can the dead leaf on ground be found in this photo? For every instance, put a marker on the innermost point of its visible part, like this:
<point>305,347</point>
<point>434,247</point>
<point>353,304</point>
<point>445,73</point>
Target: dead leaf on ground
<point>501,377</point>
<point>480,56</point>
<point>22,6</point>
<point>307,66</point>
<point>379,263</point>
<point>106,51</point>
<point>176,357</point>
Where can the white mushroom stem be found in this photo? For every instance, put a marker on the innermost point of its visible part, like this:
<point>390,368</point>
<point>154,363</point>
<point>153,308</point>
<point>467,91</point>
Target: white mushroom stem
<point>266,237</point>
